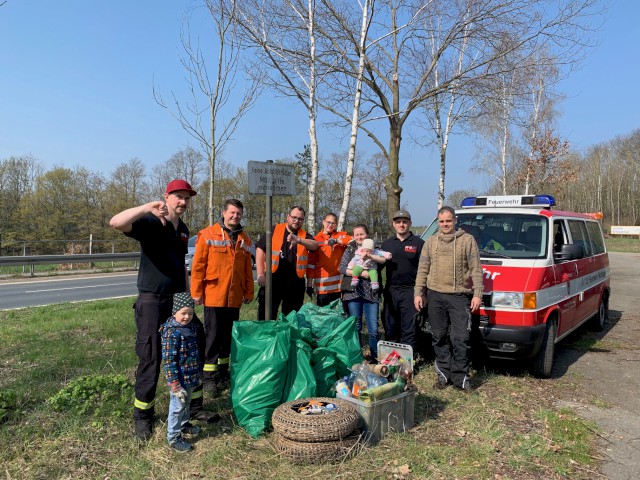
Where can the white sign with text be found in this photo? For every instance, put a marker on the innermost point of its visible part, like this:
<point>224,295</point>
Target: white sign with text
<point>271,178</point>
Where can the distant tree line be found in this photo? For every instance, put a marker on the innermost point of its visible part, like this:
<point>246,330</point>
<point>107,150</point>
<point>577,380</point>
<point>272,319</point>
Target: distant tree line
<point>59,203</point>
<point>605,178</point>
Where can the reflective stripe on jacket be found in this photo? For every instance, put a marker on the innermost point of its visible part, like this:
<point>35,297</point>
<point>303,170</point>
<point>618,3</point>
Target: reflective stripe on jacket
<point>302,253</point>
<point>324,263</point>
<point>221,275</point>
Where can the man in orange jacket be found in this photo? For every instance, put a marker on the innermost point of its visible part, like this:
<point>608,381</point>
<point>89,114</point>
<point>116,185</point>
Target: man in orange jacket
<point>290,247</point>
<point>323,274</point>
<point>221,280</point>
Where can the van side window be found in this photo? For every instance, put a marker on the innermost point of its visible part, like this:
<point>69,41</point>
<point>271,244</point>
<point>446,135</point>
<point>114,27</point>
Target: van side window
<point>579,236</point>
<point>559,235</point>
<point>595,234</point>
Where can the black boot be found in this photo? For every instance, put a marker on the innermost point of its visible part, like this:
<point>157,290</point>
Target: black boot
<point>199,413</point>
<point>143,423</point>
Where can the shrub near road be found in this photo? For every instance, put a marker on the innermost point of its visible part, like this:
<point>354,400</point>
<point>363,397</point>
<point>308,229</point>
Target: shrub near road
<point>57,361</point>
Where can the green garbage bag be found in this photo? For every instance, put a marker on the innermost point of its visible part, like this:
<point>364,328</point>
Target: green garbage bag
<point>301,381</point>
<point>344,341</point>
<point>259,357</point>
<point>324,362</point>
<point>320,320</point>
<point>302,332</point>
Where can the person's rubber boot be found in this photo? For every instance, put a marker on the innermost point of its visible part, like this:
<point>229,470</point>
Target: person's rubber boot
<point>143,423</point>
<point>199,413</point>
<point>223,380</point>
<point>210,387</point>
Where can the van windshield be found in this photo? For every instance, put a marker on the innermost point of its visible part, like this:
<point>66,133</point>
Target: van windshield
<point>505,235</point>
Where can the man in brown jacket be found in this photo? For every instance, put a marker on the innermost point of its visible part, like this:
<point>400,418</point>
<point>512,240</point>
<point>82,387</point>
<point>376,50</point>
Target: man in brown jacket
<point>451,273</point>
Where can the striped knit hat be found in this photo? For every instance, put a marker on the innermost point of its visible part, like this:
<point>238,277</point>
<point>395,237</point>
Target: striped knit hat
<point>181,300</point>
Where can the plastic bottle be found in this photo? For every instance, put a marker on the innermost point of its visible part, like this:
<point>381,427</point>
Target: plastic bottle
<point>351,378</point>
<point>342,388</point>
<point>406,372</point>
<point>374,380</point>
<point>359,384</point>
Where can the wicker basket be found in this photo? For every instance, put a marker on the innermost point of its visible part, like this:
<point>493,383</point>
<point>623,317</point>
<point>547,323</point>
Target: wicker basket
<point>318,452</point>
<point>336,425</point>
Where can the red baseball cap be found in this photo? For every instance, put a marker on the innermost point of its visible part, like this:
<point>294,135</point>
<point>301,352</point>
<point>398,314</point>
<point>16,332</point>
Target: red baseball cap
<point>175,185</point>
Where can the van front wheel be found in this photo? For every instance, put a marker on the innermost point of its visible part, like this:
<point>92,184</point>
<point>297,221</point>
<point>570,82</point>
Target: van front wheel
<point>542,364</point>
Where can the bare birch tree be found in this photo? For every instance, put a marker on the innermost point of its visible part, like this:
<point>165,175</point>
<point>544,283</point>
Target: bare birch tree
<point>208,116</point>
<point>446,108</point>
<point>355,118</point>
<point>395,88</point>
<point>282,34</point>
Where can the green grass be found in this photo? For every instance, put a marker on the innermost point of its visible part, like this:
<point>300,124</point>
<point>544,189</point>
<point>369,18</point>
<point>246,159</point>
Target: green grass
<point>507,429</point>
<point>623,244</point>
<point>56,269</point>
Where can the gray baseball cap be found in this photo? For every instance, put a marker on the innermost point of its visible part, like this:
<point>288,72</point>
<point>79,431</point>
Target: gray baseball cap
<point>401,214</point>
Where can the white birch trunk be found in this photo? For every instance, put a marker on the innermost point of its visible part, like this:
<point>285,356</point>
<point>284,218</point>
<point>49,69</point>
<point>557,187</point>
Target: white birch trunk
<point>313,139</point>
<point>537,100</point>
<point>354,119</point>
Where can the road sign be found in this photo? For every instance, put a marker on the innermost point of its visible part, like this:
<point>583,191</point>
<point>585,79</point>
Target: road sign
<point>266,178</point>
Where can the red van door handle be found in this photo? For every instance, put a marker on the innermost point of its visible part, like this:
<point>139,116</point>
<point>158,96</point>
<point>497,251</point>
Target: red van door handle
<point>566,277</point>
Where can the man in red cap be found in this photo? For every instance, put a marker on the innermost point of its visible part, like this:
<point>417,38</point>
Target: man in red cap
<point>163,241</point>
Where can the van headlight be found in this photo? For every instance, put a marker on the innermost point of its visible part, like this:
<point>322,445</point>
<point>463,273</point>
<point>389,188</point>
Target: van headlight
<point>506,299</point>
<point>527,300</point>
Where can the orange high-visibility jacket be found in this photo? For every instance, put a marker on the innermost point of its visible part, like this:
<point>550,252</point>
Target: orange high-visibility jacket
<point>221,275</point>
<point>324,262</point>
<point>302,259</point>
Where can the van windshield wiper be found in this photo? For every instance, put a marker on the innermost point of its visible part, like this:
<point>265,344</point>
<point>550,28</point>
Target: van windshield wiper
<point>493,253</point>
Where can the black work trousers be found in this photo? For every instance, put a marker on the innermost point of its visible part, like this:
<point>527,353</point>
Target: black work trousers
<point>286,291</point>
<point>399,316</point>
<point>218,323</point>
<point>151,311</point>
<point>450,319</point>
<point>325,299</point>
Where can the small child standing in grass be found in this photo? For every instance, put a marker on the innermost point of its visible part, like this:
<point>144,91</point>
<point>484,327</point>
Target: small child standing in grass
<point>362,261</point>
<point>182,369</point>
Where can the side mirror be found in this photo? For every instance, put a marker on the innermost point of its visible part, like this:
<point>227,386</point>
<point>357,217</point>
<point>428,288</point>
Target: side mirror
<point>569,252</point>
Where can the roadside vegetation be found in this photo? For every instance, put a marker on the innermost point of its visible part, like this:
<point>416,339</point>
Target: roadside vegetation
<point>52,269</point>
<point>623,244</point>
<point>66,393</point>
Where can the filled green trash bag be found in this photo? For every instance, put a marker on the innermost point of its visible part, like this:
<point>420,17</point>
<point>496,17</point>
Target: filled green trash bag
<point>344,341</point>
<point>324,362</point>
<point>259,358</point>
<point>302,332</point>
<point>321,321</point>
<point>301,380</point>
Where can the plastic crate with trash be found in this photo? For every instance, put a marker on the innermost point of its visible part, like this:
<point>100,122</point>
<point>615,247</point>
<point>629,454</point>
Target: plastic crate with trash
<point>377,417</point>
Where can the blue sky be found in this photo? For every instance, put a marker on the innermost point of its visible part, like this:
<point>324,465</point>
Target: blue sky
<point>76,81</point>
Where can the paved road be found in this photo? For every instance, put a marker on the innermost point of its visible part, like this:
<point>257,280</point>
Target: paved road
<point>36,292</point>
<point>19,293</point>
<point>611,374</point>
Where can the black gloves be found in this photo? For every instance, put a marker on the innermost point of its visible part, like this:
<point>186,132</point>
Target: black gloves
<point>310,292</point>
<point>422,321</point>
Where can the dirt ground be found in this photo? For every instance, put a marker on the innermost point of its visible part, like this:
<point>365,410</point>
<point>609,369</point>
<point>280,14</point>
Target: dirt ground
<point>607,378</point>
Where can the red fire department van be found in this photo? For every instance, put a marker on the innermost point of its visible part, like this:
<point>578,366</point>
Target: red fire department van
<point>546,273</point>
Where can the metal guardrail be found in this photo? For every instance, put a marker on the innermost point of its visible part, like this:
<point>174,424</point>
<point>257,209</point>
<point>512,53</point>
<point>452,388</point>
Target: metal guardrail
<point>32,260</point>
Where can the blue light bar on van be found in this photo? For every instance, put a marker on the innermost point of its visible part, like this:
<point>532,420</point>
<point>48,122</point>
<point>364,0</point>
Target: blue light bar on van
<point>545,201</point>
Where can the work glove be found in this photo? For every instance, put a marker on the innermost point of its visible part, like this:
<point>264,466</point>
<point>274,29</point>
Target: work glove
<point>422,321</point>
<point>182,395</point>
<point>310,292</point>
<point>332,242</point>
<point>178,391</point>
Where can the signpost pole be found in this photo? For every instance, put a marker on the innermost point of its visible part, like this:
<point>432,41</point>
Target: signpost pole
<point>268,179</point>
<point>268,226</point>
